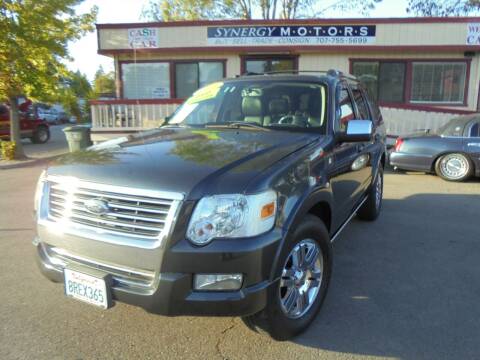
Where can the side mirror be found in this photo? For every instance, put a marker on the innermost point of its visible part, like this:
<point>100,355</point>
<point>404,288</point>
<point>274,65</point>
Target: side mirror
<point>357,131</point>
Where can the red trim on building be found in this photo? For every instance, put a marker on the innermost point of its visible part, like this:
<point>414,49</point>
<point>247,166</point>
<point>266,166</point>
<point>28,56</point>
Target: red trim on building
<point>373,21</point>
<point>137,101</point>
<point>408,78</point>
<point>293,49</point>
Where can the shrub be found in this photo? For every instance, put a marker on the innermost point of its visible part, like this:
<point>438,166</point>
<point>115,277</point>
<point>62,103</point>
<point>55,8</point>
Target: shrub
<point>8,150</point>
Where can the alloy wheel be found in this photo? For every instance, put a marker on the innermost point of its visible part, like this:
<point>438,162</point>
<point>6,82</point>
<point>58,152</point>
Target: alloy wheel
<point>301,278</point>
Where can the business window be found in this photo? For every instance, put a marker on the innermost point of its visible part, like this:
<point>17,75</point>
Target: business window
<point>263,65</point>
<point>385,81</point>
<point>431,81</point>
<point>191,76</point>
<point>438,82</point>
<point>146,80</point>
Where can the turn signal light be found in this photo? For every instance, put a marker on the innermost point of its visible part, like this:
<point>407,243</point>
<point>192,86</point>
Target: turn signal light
<point>267,210</point>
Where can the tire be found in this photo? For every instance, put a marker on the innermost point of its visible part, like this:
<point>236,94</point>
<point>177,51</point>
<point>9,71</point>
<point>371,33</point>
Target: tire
<point>41,135</point>
<point>454,167</point>
<point>371,208</point>
<point>275,320</point>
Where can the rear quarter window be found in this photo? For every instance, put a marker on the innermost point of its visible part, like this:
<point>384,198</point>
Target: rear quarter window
<point>475,130</point>
<point>374,108</point>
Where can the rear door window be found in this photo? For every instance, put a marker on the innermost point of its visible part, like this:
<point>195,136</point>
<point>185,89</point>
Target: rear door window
<point>362,107</point>
<point>475,130</point>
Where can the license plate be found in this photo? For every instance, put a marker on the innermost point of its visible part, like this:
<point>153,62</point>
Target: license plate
<point>87,288</point>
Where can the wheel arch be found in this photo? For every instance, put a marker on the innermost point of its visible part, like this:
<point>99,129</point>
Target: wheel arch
<point>319,204</point>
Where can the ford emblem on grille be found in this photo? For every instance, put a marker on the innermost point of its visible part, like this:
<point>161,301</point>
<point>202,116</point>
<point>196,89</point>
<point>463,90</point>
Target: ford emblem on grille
<point>96,206</point>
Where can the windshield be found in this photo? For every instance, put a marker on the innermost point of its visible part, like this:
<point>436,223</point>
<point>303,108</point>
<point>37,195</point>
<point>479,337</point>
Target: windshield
<point>263,103</point>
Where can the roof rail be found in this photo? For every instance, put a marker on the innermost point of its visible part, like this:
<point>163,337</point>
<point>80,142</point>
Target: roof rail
<point>330,72</point>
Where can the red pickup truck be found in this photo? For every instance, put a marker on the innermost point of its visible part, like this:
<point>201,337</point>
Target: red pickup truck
<point>30,125</point>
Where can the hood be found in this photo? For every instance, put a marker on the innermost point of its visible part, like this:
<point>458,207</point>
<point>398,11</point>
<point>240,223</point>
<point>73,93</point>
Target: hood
<point>194,162</point>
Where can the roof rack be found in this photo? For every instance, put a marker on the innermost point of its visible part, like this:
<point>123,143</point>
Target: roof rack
<point>330,72</point>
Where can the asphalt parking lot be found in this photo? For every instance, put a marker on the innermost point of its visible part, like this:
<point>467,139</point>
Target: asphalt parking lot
<point>406,286</point>
<point>56,145</point>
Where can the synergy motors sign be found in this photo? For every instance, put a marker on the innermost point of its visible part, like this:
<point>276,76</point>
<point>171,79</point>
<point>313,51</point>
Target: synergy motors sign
<point>291,35</point>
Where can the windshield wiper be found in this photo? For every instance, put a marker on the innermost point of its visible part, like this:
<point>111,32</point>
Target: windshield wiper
<point>238,124</point>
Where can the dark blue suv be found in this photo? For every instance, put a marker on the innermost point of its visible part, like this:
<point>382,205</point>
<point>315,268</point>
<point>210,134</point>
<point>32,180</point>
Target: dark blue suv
<point>228,209</point>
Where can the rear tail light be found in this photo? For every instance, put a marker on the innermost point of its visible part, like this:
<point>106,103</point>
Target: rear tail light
<point>398,144</point>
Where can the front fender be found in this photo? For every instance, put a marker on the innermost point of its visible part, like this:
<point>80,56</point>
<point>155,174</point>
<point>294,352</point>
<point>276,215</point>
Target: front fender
<point>294,213</point>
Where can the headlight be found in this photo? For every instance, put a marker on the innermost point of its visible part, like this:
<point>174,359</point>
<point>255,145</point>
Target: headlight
<point>39,192</point>
<point>232,216</point>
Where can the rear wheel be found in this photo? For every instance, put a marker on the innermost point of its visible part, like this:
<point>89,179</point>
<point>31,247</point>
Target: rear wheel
<point>41,135</point>
<point>304,271</point>
<point>370,209</point>
<point>454,167</point>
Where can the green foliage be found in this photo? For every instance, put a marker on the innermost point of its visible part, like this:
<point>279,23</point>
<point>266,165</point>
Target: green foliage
<point>443,7</point>
<point>33,45</point>
<point>79,84</point>
<point>167,10</point>
<point>8,150</point>
<point>35,35</point>
<point>103,83</point>
<point>75,88</point>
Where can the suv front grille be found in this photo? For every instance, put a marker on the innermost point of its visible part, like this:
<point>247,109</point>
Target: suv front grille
<point>128,212</point>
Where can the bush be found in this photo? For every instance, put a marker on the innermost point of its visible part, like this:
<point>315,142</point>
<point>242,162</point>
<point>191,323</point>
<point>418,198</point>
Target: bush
<point>8,150</point>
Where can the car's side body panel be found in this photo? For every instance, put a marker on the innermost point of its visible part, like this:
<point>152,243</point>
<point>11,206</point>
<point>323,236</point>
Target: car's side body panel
<point>420,153</point>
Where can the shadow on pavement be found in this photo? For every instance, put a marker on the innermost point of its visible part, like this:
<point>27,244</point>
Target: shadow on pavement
<point>408,286</point>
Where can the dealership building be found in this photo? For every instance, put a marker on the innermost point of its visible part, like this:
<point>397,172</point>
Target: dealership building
<point>422,71</point>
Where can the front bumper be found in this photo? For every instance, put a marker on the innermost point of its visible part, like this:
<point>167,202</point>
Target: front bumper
<point>168,291</point>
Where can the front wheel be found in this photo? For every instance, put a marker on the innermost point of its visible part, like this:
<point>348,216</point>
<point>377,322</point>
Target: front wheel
<point>304,272</point>
<point>370,209</point>
<point>454,167</point>
<point>41,135</point>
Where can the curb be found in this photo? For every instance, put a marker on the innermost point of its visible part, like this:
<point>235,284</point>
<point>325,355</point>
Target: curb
<point>29,162</point>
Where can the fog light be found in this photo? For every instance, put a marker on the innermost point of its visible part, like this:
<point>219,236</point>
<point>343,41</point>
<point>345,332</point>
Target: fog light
<point>217,282</point>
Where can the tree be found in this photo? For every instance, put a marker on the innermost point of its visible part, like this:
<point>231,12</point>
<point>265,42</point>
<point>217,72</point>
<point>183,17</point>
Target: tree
<point>443,7</point>
<point>103,83</point>
<point>167,10</point>
<point>75,87</point>
<point>35,34</point>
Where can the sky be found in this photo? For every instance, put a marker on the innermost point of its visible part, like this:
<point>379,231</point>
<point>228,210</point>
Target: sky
<point>84,51</point>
